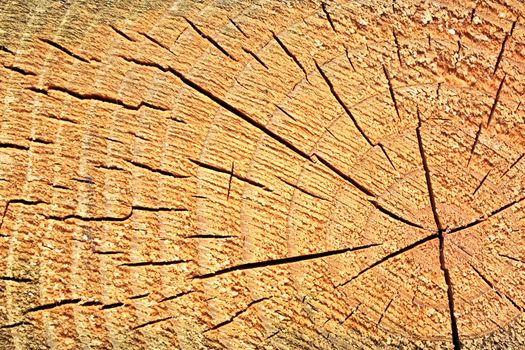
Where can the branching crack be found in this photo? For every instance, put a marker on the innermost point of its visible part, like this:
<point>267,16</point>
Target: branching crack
<point>18,201</point>
<point>450,292</point>
<point>283,261</point>
<point>237,314</point>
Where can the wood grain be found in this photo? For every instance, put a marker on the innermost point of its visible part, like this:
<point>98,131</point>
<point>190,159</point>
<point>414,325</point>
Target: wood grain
<point>262,175</point>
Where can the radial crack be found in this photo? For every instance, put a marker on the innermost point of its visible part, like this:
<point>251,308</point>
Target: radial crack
<point>283,261</point>
<point>427,173</point>
<point>391,89</point>
<point>255,57</point>
<point>486,217</point>
<point>390,256</point>
<point>496,99</point>
<point>237,27</point>
<point>113,218</point>
<point>450,292</point>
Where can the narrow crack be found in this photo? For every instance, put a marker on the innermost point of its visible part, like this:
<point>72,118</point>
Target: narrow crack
<point>384,312</point>
<point>486,217</point>
<point>113,218</point>
<point>52,305</point>
<point>211,236</point>
<point>391,89</point>
<point>229,172</point>
<point>155,263</point>
<point>481,183</point>
<point>476,140</point>
<point>328,17</point>
<point>121,33</point>
<point>398,48</point>
<point>255,57</point>
<point>300,189</point>
<point>227,106</point>
<point>283,261</point>
<point>237,314</point>
<point>496,100</point>
<point>350,314</point>
<point>290,54</point>
<point>158,171</point>
<point>348,112</point>
<point>230,181</point>
<point>19,70</point>
<point>390,256</point>
<point>104,99</point>
<point>17,324</point>
<point>513,165</point>
<point>209,39</point>
<point>152,322</point>
<point>64,50</point>
<point>176,296</point>
<point>491,286</point>
<point>238,28</point>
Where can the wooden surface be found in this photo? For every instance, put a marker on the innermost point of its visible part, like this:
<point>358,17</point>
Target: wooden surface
<point>262,174</point>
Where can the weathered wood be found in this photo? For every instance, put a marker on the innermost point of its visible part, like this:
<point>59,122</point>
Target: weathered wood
<point>270,174</point>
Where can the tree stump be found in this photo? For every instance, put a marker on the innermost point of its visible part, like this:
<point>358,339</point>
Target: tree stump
<point>262,175</point>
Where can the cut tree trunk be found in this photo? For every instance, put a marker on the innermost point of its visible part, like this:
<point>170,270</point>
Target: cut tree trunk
<point>262,174</point>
